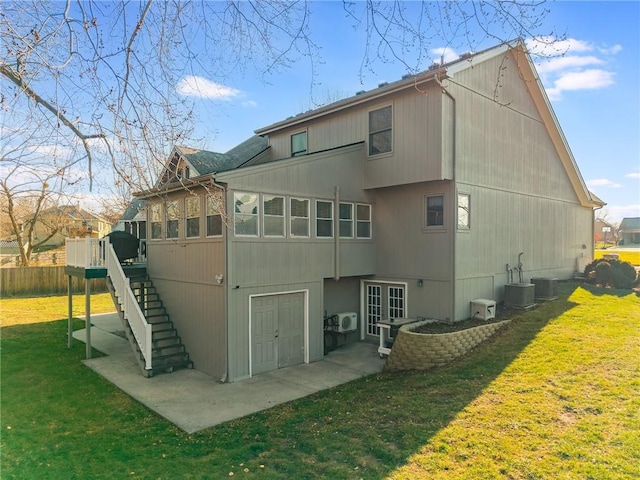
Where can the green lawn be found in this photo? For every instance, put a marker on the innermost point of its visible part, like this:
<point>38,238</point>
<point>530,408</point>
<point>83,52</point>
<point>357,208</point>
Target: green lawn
<point>556,394</point>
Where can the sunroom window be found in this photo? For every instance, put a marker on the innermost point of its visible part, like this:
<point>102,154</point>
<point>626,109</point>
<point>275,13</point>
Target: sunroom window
<point>273,211</point>
<point>324,219</point>
<point>192,208</point>
<point>299,213</point>
<point>246,214</point>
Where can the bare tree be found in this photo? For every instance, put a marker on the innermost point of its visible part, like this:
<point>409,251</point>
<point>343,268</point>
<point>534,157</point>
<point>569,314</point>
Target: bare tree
<point>103,76</point>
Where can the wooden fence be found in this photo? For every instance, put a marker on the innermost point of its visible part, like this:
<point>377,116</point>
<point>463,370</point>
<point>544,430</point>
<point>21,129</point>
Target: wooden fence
<point>36,281</point>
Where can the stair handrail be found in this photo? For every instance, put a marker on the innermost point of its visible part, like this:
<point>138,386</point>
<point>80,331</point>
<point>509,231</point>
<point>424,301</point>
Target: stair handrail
<point>132,312</point>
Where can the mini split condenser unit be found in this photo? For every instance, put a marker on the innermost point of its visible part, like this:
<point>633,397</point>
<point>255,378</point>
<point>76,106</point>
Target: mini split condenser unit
<point>347,321</point>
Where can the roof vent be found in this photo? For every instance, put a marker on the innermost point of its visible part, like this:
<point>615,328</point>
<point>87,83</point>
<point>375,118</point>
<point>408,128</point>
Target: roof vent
<point>360,92</point>
<point>383,84</point>
<point>434,66</point>
<point>466,55</point>
<point>407,75</point>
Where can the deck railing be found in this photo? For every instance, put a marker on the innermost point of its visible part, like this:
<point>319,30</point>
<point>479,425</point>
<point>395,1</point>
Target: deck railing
<point>132,313</point>
<point>99,253</point>
<point>86,252</point>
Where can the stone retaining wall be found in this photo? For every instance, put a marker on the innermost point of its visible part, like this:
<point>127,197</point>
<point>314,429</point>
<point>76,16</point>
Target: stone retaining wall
<point>421,351</point>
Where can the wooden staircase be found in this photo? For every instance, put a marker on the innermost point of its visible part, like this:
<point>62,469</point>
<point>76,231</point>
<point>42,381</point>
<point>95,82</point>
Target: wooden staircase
<point>168,351</point>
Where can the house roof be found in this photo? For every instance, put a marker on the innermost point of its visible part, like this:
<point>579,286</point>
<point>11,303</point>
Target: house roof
<point>630,224</point>
<point>133,209</point>
<point>446,71</point>
<point>205,162</point>
<point>73,212</point>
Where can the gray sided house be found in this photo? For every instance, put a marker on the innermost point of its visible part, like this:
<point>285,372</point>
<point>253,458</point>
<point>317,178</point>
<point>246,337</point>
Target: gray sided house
<point>630,231</point>
<point>408,200</point>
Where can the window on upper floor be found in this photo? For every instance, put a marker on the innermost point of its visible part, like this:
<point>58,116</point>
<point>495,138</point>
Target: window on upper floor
<point>245,220</point>
<point>299,144</point>
<point>273,212</point>
<point>380,132</point>
<point>324,219</point>
<point>192,213</point>
<point>464,211</point>
<point>214,215</point>
<point>435,211</point>
<point>173,216</point>
<point>346,220</point>
<point>155,217</point>
<point>299,217</point>
<point>363,221</point>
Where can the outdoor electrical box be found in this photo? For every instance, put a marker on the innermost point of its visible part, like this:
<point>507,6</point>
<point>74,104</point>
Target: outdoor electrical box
<point>483,309</point>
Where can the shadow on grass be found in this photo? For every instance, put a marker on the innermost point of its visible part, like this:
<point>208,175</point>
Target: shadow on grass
<point>364,429</point>
<point>371,426</point>
<point>613,292</point>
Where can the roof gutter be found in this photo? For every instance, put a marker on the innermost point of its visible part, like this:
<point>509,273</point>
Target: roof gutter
<point>379,92</point>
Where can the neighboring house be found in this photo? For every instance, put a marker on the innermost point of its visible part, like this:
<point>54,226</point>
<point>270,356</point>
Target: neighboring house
<point>630,231</point>
<point>409,200</point>
<point>604,231</point>
<point>134,219</point>
<point>69,221</point>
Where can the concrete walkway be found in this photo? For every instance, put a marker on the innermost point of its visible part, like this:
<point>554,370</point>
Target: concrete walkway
<point>192,400</point>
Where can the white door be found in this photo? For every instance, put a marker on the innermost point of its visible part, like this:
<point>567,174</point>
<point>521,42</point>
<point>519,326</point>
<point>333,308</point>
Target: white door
<point>384,301</point>
<point>277,331</point>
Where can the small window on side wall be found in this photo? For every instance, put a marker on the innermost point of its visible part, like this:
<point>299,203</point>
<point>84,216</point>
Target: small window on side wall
<point>380,132</point>
<point>273,211</point>
<point>435,211</point>
<point>299,144</point>
<point>464,211</point>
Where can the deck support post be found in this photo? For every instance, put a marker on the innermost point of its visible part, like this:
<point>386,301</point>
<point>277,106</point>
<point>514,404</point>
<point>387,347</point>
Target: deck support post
<point>70,303</point>
<point>87,313</point>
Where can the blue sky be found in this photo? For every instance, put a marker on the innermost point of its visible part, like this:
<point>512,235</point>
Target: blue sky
<point>594,89</point>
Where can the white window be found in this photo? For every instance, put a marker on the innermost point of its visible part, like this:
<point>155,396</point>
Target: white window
<point>214,215</point>
<point>299,213</point>
<point>156,221</point>
<point>464,211</point>
<point>435,211</point>
<point>380,132</point>
<point>363,221</point>
<point>273,212</point>
<point>299,144</point>
<point>346,220</point>
<point>324,219</point>
<point>192,209</point>
<point>173,214</point>
<point>245,220</point>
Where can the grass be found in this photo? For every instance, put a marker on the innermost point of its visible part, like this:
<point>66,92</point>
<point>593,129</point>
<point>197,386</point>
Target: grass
<point>633,257</point>
<point>555,394</point>
<point>22,311</point>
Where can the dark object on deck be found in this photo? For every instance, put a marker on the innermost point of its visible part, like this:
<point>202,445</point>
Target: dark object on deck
<point>125,245</point>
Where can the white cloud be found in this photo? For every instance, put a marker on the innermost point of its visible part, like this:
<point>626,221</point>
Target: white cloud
<point>193,85</point>
<point>564,65</point>
<point>444,53</point>
<point>615,213</point>
<point>633,175</point>
<point>249,104</point>
<point>602,182</point>
<point>568,62</point>
<point>610,50</point>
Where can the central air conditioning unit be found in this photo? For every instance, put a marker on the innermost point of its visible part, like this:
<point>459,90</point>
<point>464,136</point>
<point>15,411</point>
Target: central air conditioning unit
<point>347,321</point>
<point>546,288</point>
